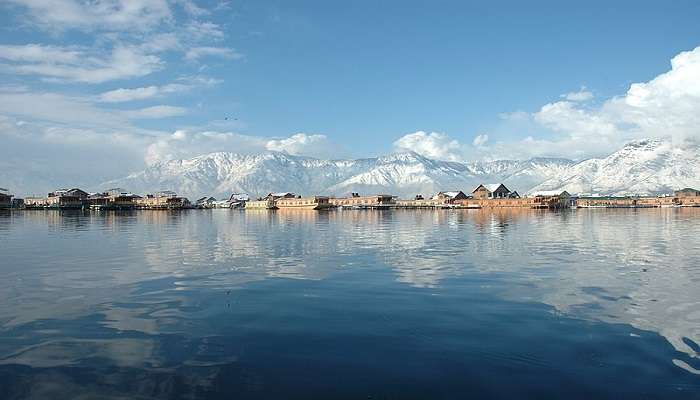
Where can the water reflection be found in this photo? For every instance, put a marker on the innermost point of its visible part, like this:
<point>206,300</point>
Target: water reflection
<point>128,288</point>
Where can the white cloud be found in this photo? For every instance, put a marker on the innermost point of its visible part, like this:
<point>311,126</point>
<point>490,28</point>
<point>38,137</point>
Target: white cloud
<point>97,14</point>
<point>141,93</point>
<point>73,64</point>
<point>582,95</point>
<point>184,144</point>
<point>40,53</point>
<point>433,145</point>
<point>196,53</point>
<point>205,30</point>
<point>668,105</point>
<point>480,140</point>
<point>154,112</point>
<point>302,144</point>
<point>57,109</point>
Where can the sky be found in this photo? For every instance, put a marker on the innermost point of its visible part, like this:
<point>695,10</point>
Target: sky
<point>92,90</point>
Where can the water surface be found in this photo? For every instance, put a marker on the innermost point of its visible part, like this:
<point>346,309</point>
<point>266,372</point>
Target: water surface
<point>445,304</point>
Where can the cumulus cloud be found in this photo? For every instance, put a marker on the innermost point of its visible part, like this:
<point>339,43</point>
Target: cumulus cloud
<point>666,106</point>
<point>79,65</point>
<point>196,53</point>
<point>433,145</point>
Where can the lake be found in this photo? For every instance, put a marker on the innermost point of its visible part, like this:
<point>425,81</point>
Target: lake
<point>423,304</point>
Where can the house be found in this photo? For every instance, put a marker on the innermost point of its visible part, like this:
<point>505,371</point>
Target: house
<point>5,198</point>
<point>450,197</point>
<point>491,191</point>
<point>687,192</point>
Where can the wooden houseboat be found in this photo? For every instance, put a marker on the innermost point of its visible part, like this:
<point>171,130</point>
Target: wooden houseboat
<point>357,201</point>
<point>264,204</point>
<point>308,203</point>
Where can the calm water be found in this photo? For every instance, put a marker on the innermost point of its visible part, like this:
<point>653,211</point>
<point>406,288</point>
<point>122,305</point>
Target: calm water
<point>350,304</point>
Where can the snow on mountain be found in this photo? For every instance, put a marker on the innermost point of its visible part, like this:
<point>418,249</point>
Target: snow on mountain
<point>403,174</point>
<point>644,167</point>
<point>648,166</point>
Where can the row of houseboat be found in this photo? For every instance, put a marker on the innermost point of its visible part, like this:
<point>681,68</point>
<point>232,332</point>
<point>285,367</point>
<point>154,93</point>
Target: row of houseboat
<point>484,196</point>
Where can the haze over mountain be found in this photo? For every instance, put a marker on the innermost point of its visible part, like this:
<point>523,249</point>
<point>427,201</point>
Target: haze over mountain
<point>641,167</point>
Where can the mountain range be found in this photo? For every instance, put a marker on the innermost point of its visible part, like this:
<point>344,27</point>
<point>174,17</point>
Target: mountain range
<point>649,166</point>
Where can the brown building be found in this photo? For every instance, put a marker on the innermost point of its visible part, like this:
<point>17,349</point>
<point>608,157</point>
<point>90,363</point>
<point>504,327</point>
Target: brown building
<point>491,191</point>
<point>355,200</point>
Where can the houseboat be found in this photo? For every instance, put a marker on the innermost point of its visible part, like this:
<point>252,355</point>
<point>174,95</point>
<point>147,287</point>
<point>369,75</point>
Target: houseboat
<point>308,203</point>
<point>263,204</point>
<point>357,201</point>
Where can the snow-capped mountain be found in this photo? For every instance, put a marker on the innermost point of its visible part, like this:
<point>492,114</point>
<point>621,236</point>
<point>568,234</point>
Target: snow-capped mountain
<point>403,174</point>
<point>644,167</point>
<point>641,167</point>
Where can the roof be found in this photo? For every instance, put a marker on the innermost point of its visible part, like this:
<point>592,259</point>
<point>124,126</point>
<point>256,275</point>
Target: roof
<point>281,194</point>
<point>491,187</point>
<point>548,193</point>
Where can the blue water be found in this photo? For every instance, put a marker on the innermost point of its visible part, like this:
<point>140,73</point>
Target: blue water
<point>447,304</point>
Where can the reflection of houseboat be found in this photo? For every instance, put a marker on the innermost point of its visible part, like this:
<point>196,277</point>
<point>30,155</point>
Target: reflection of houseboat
<point>309,203</point>
<point>265,204</point>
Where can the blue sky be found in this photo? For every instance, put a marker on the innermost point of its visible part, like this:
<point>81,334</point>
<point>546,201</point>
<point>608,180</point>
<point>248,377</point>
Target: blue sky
<point>162,79</point>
